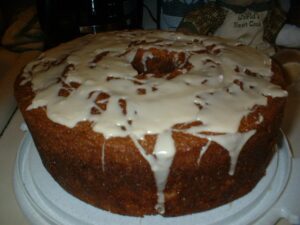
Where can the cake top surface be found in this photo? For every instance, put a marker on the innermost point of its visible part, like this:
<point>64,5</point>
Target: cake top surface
<point>134,83</point>
<point>95,78</point>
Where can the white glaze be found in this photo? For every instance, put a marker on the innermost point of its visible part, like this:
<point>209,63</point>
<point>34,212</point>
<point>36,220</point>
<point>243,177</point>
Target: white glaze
<point>202,151</point>
<point>160,162</point>
<point>209,83</point>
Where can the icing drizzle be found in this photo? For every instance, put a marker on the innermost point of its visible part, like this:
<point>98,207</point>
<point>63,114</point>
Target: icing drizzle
<point>98,78</point>
<point>160,162</point>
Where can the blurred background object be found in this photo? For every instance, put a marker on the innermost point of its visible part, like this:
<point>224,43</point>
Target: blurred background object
<point>65,20</point>
<point>172,11</point>
<point>21,40</point>
<point>289,36</point>
<point>261,24</point>
<point>20,30</point>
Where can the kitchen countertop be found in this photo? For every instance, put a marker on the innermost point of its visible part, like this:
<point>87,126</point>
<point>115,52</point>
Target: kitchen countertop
<point>10,213</point>
<point>10,65</point>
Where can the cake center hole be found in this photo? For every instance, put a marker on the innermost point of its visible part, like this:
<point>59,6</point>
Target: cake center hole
<point>159,62</point>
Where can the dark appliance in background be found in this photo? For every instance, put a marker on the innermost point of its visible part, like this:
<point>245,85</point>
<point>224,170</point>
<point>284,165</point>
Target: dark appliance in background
<point>63,20</point>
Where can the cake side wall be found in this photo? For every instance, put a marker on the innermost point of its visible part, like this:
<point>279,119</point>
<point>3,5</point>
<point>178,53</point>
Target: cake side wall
<point>127,186</point>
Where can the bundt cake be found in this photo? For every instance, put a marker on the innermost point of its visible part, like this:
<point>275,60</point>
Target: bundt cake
<point>153,122</point>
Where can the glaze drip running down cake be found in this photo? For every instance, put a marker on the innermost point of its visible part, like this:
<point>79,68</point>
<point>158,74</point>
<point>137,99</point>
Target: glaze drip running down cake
<point>153,122</point>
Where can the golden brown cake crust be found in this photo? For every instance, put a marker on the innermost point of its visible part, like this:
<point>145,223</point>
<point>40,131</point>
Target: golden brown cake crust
<point>126,184</point>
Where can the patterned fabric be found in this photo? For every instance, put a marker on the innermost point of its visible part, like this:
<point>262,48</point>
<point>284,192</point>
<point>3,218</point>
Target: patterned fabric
<point>273,24</point>
<point>204,20</point>
<point>207,18</point>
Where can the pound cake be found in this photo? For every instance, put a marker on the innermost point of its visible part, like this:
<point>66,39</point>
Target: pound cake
<point>153,122</point>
